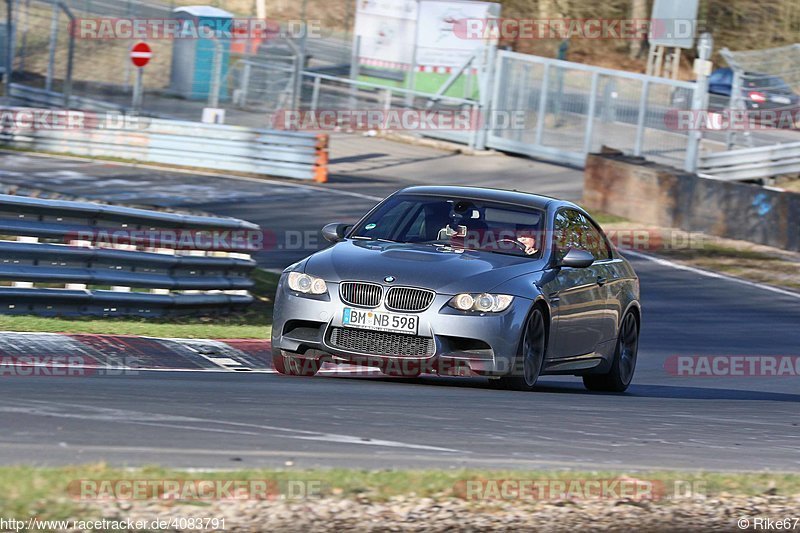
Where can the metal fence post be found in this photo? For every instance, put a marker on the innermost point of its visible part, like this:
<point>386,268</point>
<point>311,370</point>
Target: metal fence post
<point>354,70</point>
<point>70,55</point>
<point>216,75</point>
<point>51,53</point>
<point>138,89</point>
<point>699,99</point>
<point>639,141</point>
<point>315,93</point>
<point>520,102</point>
<point>734,103</point>
<point>587,141</point>
<point>387,100</point>
<point>301,65</point>
<point>542,104</point>
<point>9,45</point>
<point>486,106</point>
<point>244,84</point>
<point>23,45</point>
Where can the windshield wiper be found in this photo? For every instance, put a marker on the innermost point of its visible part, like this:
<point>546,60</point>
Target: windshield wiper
<point>448,244</point>
<point>365,238</point>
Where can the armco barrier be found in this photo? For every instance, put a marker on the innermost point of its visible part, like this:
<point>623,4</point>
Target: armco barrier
<point>655,194</point>
<point>277,153</point>
<point>752,163</point>
<point>78,258</point>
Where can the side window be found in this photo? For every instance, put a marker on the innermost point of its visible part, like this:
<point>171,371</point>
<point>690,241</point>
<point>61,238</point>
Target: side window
<point>573,230</point>
<point>594,241</point>
<point>567,232</point>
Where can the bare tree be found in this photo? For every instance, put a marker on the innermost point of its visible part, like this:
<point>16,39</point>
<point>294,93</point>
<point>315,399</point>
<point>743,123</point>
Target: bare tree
<point>638,12</point>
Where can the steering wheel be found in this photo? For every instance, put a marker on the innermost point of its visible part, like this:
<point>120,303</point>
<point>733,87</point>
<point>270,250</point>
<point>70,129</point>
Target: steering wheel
<point>515,242</point>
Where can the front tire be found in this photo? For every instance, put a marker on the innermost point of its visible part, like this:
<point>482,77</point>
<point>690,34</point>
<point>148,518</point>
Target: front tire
<point>290,365</point>
<point>622,368</point>
<point>529,360</point>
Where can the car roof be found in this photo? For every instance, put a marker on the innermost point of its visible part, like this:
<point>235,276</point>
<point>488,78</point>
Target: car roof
<point>493,195</point>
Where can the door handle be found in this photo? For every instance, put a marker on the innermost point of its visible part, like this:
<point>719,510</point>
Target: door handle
<point>601,280</point>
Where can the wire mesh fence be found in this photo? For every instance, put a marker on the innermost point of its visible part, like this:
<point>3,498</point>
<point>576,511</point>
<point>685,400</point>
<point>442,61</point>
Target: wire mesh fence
<point>572,109</point>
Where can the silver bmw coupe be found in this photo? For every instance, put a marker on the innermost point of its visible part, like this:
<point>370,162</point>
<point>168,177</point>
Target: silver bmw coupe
<point>464,281</point>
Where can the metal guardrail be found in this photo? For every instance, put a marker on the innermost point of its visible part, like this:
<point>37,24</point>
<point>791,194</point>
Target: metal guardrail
<point>80,258</point>
<point>752,163</point>
<point>43,97</point>
<point>173,142</point>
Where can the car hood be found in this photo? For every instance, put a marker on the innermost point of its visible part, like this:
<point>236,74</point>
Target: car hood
<point>445,270</point>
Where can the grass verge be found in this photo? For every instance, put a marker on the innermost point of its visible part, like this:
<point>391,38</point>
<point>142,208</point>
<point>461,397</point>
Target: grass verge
<point>253,323</point>
<point>49,493</point>
<point>740,259</point>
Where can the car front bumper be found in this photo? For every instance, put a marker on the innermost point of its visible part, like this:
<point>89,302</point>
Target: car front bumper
<point>463,343</point>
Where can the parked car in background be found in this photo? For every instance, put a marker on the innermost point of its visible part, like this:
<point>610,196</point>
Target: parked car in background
<point>759,92</point>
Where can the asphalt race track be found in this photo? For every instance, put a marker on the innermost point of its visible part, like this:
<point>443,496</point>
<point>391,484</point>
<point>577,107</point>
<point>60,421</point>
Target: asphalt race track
<point>228,419</point>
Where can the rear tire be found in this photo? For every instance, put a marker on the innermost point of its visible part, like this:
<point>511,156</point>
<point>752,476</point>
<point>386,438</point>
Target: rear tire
<point>290,365</point>
<point>619,378</point>
<point>529,360</point>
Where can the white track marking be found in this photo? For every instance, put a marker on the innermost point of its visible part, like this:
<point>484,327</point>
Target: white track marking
<point>709,274</point>
<point>125,416</point>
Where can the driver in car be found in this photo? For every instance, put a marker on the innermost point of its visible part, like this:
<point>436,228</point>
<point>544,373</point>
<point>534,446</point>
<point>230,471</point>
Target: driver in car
<point>467,228</point>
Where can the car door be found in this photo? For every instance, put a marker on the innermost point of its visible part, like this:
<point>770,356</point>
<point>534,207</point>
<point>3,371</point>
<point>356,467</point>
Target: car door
<point>606,268</point>
<point>578,296</point>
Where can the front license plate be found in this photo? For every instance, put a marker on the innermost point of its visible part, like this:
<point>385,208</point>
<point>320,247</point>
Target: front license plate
<point>379,321</point>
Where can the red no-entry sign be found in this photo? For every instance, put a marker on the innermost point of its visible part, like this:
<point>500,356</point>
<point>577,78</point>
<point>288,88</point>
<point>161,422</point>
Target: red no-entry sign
<point>141,54</point>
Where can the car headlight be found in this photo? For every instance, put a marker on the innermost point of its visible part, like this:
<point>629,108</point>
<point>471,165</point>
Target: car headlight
<point>484,302</point>
<point>306,283</point>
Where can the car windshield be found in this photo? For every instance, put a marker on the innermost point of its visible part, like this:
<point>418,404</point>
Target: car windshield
<point>460,223</point>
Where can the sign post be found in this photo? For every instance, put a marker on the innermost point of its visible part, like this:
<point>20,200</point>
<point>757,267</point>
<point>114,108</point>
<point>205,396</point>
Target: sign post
<point>140,56</point>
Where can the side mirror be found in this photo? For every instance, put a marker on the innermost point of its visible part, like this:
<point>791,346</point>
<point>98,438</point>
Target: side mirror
<point>577,258</point>
<point>335,232</point>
